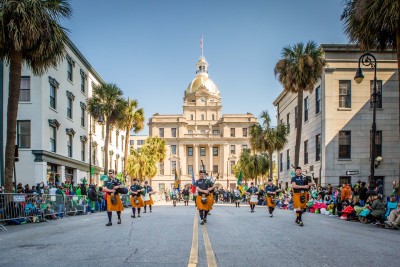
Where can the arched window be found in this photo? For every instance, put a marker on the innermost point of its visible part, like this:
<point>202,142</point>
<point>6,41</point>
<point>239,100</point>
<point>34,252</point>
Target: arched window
<point>202,117</point>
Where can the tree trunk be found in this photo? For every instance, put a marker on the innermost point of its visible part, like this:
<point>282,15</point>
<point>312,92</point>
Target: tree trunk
<point>270,164</point>
<point>127,148</point>
<point>106,146</point>
<point>299,126</point>
<point>12,112</point>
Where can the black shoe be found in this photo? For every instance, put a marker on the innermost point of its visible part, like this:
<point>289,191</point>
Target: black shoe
<point>119,221</point>
<point>109,224</point>
<point>150,210</point>
<point>205,220</point>
<point>297,221</point>
<point>301,223</point>
<point>202,222</point>
<point>133,216</point>
<point>144,211</point>
<point>209,213</point>
<point>138,215</point>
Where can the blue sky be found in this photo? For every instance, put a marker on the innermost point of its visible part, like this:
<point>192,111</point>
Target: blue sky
<point>149,47</point>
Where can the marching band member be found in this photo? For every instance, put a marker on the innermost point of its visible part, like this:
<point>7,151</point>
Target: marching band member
<point>300,188</point>
<point>270,194</point>
<point>203,198</point>
<point>136,197</point>
<point>252,191</point>
<point>185,193</point>
<point>114,202</point>
<point>211,186</point>
<point>148,191</point>
<point>237,197</point>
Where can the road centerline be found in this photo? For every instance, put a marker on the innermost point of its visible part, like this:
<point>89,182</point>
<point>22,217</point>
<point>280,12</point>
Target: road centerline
<point>209,251</point>
<point>194,252</point>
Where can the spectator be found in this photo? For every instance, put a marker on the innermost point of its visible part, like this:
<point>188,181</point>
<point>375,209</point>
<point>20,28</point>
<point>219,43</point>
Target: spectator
<point>379,187</point>
<point>346,193</point>
<point>377,209</point>
<point>394,218</point>
<point>363,194</point>
<point>396,189</point>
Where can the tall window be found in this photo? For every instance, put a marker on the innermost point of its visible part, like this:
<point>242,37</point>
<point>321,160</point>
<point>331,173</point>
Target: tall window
<point>191,117</point>
<point>190,151</point>
<point>379,92</point>
<point>161,132</point>
<point>318,100</point>
<point>69,108</point>
<point>232,132</point>
<point>232,164</point>
<point>69,68</point>
<point>202,117</point>
<point>69,146</point>
<point>83,145</point>
<point>344,145</point>
<point>202,151</point>
<point>53,96</point>
<point>344,94</point>
<point>296,117</point>
<point>25,91</point>
<point>94,155</point>
<point>116,139</point>
<point>378,143</point>
<point>306,152</point>
<point>233,150</point>
<point>161,168</point>
<point>215,151</point>
<point>280,161</point>
<point>244,131</point>
<point>140,142</point>
<point>215,169</point>
<point>173,132</point>
<point>53,139</point>
<point>24,134</point>
<point>173,167</point>
<point>131,142</point>
<point>318,147</point>
<point>83,117</point>
<point>288,159</point>
<point>213,117</point>
<point>306,109</point>
<point>190,169</point>
<point>244,147</point>
<point>83,81</point>
<point>173,149</point>
<point>288,123</point>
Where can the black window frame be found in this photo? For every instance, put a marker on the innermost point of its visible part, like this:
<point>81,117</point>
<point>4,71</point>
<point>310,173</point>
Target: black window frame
<point>70,145</point>
<point>288,123</point>
<point>344,148</point>
<point>345,99</point>
<point>318,147</point>
<point>215,151</point>
<point>306,107</point>
<point>288,159</point>
<point>203,152</point>
<point>53,96</point>
<point>190,151</point>
<point>161,132</point>
<point>233,132</point>
<point>305,147</point>
<point>20,135</point>
<point>318,106</point>
<point>173,132</point>
<point>25,93</point>
<point>53,141</point>
<point>173,149</point>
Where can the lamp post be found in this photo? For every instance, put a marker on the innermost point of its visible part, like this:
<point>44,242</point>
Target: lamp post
<point>96,112</point>
<point>368,59</point>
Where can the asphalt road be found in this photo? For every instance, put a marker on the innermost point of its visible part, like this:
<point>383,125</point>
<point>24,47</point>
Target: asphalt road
<point>231,237</point>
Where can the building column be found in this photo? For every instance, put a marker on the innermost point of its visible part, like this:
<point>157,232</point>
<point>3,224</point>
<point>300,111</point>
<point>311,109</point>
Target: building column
<point>225,160</point>
<point>195,159</point>
<point>210,159</point>
<point>182,160</point>
<point>61,171</point>
<point>40,172</point>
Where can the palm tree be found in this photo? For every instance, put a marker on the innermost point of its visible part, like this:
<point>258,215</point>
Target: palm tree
<point>141,165</point>
<point>132,119</point>
<point>155,147</point>
<point>374,25</point>
<point>107,102</point>
<point>265,138</point>
<point>251,165</point>
<point>29,34</point>
<point>299,70</point>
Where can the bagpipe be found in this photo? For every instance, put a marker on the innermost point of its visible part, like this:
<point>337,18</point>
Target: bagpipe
<point>209,179</point>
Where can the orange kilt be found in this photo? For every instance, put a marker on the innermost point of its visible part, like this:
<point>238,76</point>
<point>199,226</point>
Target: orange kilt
<point>271,201</point>
<point>149,202</point>
<point>137,205</point>
<point>211,202</point>
<point>297,203</point>
<point>201,206</point>
<point>114,207</point>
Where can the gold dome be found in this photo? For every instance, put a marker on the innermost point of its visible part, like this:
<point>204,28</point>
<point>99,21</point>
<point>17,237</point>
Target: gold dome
<point>202,79</point>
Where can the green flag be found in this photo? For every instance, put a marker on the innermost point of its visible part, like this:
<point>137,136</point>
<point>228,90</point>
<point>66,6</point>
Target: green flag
<point>92,170</point>
<point>239,181</point>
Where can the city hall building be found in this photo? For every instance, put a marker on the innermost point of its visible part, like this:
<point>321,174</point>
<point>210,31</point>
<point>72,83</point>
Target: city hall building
<point>201,137</point>
<point>54,129</point>
<point>337,119</point>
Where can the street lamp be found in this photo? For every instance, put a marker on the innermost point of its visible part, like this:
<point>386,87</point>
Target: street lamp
<point>368,59</point>
<point>96,112</point>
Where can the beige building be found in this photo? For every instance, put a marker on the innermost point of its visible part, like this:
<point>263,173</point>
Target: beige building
<point>201,136</point>
<point>337,118</point>
<point>137,141</point>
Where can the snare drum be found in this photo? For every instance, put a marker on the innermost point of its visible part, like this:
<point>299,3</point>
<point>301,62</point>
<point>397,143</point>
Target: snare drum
<point>147,197</point>
<point>253,199</point>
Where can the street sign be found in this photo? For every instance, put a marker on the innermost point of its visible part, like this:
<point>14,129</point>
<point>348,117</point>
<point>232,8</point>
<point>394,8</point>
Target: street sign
<point>104,177</point>
<point>352,172</point>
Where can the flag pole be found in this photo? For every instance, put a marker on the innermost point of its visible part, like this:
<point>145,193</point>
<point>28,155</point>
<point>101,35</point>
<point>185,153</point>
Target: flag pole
<point>201,45</point>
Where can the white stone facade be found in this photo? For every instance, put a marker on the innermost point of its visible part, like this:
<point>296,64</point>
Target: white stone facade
<point>355,118</point>
<point>38,162</point>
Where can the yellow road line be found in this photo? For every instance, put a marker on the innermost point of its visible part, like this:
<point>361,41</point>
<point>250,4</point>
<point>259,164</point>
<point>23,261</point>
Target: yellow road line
<point>194,252</point>
<point>209,252</point>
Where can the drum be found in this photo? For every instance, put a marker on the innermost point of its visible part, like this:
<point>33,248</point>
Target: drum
<point>254,199</point>
<point>147,197</point>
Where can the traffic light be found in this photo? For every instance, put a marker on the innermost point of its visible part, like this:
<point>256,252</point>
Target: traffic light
<point>16,159</point>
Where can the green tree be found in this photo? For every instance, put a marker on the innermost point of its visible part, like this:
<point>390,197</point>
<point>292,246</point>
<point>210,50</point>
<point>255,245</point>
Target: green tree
<point>156,148</point>
<point>131,119</point>
<point>265,138</point>
<point>251,165</point>
<point>107,101</point>
<point>299,70</point>
<point>374,25</point>
<point>30,34</point>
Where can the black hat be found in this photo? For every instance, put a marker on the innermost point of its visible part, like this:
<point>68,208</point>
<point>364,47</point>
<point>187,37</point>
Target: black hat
<point>269,180</point>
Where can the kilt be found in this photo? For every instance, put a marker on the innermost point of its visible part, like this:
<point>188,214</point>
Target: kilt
<point>271,201</point>
<point>186,198</point>
<point>137,205</point>
<point>297,203</point>
<point>211,201</point>
<point>149,202</point>
<point>114,207</point>
<point>202,206</point>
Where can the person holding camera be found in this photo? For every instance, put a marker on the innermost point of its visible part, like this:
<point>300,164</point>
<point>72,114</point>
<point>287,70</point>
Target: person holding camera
<point>136,197</point>
<point>114,202</point>
<point>203,197</point>
<point>300,188</point>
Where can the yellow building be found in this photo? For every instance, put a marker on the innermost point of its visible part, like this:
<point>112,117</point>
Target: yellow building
<point>201,137</point>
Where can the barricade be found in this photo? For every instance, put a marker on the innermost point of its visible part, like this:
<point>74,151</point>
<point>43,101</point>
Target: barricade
<point>76,205</point>
<point>52,206</point>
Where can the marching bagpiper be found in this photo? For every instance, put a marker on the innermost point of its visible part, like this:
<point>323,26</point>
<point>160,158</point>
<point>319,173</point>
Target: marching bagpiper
<point>148,200</point>
<point>136,197</point>
<point>300,188</point>
<point>252,191</point>
<point>270,195</point>
<point>203,198</point>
